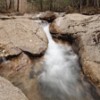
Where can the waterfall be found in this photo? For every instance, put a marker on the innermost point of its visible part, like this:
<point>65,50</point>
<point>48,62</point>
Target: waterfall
<point>60,79</point>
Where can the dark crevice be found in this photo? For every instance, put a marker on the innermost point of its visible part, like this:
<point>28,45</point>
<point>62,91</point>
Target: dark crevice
<point>34,56</point>
<point>4,18</point>
<point>10,57</point>
<point>31,56</point>
<point>64,37</point>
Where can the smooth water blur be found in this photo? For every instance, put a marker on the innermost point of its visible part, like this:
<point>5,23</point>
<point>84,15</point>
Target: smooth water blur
<point>60,79</point>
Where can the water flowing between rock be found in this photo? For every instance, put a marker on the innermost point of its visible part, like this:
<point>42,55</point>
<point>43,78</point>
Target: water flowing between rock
<point>61,76</point>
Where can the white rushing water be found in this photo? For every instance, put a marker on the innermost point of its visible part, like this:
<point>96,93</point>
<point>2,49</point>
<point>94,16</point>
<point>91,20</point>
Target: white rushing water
<point>60,79</point>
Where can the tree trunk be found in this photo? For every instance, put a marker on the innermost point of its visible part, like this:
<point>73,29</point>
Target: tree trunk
<point>87,3</point>
<point>41,5</point>
<point>51,2</point>
<point>7,4</point>
<point>97,3</point>
<point>15,5</point>
<point>12,5</point>
<point>22,6</point>
<point>81,5</point>
<point>18,5</point>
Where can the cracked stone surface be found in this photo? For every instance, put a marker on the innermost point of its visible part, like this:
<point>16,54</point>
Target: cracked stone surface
<point>19,34</point>
<point>20,37</point>
<point>10,92</point>
<point>85,33</point>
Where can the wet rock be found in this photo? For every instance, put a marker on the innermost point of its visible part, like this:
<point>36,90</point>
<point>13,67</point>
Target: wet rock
<point>20,34</point>
<point>85,32</point>
<point>48,16</point>
<point>22,41</point>
<point>10,92</point>
<point>21,71</point>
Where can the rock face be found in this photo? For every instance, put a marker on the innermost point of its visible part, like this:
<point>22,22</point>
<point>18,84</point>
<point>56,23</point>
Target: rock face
<point>21,42</point>
<point>17,35</point>
<point>84,31</point>
<point>9,92</point>
<point>20,70</point>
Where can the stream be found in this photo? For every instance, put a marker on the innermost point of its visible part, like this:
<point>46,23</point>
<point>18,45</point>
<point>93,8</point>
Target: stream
<point>54,75</point>
<point>61,77</point>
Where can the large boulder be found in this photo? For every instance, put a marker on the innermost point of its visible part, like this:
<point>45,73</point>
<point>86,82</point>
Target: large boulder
<point>17,35</point>
<point>22,41</point>
<point>16,6</point>
<point>10,92</point>
<point>84,32</point>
